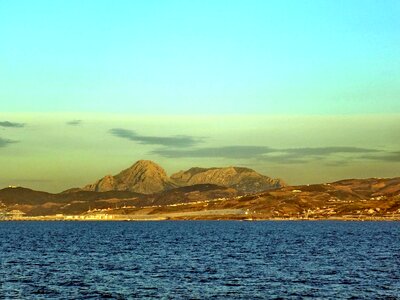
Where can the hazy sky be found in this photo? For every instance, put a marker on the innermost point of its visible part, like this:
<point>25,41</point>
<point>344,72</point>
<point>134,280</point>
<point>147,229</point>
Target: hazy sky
<point>305,90</point>
<point>55,151</point>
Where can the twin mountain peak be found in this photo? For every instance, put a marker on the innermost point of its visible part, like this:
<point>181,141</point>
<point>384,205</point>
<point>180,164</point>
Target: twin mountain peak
<point>147,177</point>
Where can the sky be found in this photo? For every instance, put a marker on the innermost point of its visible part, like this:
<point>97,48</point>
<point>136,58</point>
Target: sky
<point>308,91</point>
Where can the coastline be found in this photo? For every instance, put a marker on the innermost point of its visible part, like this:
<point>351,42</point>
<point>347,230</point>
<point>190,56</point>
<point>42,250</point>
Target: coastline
<point>182,217</point>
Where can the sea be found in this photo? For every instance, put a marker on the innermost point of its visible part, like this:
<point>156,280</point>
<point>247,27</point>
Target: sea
<point>200,260</point>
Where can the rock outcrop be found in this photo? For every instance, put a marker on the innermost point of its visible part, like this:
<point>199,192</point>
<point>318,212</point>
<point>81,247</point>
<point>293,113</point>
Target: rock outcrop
<point>145,177</point>
<point>242,179</point>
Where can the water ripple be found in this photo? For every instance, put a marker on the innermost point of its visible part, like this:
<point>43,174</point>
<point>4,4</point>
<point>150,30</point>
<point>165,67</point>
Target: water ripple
<point>197,260</point>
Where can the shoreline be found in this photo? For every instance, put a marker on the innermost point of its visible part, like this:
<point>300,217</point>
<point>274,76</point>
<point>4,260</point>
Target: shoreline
<point>187,218</point>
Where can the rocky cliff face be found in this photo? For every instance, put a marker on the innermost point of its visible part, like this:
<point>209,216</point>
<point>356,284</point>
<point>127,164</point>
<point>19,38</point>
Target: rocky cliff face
<point>145,177</point>
<point>242,179</point>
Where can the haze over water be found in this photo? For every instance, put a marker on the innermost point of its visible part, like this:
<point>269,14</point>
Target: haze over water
<point>198,260</point>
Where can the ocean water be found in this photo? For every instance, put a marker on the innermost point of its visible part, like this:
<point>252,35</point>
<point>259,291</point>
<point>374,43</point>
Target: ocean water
<point>199,260</point>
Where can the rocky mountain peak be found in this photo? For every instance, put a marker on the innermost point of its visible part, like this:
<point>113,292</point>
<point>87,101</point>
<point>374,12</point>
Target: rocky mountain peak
<point>144,177</point>
<point>147,177</point>
<point>243,179</point>
<point>144,168</point>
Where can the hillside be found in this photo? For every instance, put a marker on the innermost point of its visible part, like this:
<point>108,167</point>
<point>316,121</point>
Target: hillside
<point>351,199</point>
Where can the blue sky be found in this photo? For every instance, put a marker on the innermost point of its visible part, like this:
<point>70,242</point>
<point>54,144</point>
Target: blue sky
<point>308,91</point>
<point>200,57</point>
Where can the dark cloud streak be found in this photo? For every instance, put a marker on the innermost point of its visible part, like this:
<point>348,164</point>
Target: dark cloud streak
<point>11,124</point>
<point>285,155</point>
<point>6,142</point>
<point>74,122</point>
<point>172,141</point>
<point>261,153</point>
<point>387,157</point>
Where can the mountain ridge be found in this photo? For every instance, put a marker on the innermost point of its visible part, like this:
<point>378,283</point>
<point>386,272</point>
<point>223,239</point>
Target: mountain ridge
<point>243,179</point>
<point>147,177</point>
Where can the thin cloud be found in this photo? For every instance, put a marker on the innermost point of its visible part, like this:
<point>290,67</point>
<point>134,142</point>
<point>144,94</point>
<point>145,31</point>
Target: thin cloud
<point>337,163</point>
<point>31,180</point>
<point>328,150</point>
<point>285,158</point>
<point>307,154</point>
<point>74,122</point>
<point>6,142</point>
<point>172,141</point>
<point>221,152</point>
<point>384,157</point>
<point>285,155</point>
<point>11,124</point>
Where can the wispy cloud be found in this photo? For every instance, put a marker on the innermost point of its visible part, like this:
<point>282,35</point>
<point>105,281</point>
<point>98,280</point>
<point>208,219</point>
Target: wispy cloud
<point>170,141</point>
<point>386,156</point>
<point>215,152</point>
<point>74,122</point>
<point>321,151</point>
<point>6,142</point>
<point>11,124</point>
<point>285,155</point>
<point>286,158</point>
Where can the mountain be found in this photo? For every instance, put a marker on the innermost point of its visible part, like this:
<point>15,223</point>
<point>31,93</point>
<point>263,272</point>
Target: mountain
<point>145,177</point>
<point>242,179</point>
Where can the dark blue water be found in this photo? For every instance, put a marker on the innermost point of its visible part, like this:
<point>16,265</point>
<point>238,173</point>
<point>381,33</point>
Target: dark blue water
<point>198,260</point>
